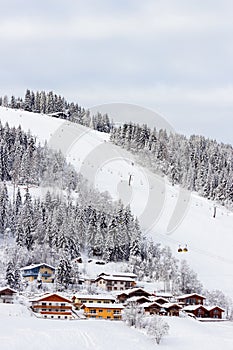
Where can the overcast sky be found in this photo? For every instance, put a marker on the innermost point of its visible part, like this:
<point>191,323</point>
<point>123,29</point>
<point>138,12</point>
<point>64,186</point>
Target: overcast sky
<point>172,56</point>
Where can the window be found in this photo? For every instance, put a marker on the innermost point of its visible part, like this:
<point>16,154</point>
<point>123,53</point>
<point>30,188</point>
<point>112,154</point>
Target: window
<point>65,317</point>
<point>44,304</point>
<point>108,317</point>
<point>108,311</point>
<point>63,304</point>
<point>91,301</point>
<point>100,310</point>
<point>50,303</point>
<point>99,301</point>
<point>93,311</point>
<point>59,316</point>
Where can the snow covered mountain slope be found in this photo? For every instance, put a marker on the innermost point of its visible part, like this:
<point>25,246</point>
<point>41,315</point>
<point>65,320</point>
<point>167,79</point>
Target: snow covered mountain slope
<point>32,333</point>
<point>152,199</point>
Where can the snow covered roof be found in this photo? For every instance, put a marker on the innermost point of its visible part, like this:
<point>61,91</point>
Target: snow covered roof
<point>168,305</point>
<point>29,267</point>
<point>95,296</point>
<point>124,274</point>
<point>193,307</point>
<point>163,295</point>
<point>104,306</point>
<point>159,298</point>
<point>209,308</point>
<point>145,305</point>
<point>131,291</point>
<point>8,288</point>
<point>136,298</point>
<point>113,278</point>
<point>48,295</point>
<point>119,274</point>
<point>185,296</point>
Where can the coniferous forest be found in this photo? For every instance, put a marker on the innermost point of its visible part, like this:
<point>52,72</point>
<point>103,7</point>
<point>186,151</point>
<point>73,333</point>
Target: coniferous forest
<point>57,106</point>
<point>196,163</point>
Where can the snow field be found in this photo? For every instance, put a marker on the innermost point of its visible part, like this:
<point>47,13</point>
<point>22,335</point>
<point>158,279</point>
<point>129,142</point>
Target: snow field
<point>21,331</point>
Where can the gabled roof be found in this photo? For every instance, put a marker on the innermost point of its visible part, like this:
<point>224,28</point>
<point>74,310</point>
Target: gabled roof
<point>145,305</point>
<point>33,266</point>
<point>185,296</point>
<point>194,307</point>
<point>124,274</point>
<point>47,296</point>
<point>131,291</point>
<point>163,295</point>
<point>137,298</point>
<point>8,288</point>
<point>168,305</point>
<point>103,306</point>
<point>114,278</point>
<point>160,298</point>
<point>209,308</point>
<point>119,274</point>
<point>94,296</point>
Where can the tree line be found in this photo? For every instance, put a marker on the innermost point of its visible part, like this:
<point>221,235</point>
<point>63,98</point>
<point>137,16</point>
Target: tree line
<point>196,163</point>
<point>57,106</point>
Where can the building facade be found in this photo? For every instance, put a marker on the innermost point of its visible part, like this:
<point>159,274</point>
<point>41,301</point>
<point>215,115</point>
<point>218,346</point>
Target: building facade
<point>53,306</point>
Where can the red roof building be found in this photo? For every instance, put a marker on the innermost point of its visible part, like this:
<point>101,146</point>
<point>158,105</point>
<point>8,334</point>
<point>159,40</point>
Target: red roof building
<point>52,306</point>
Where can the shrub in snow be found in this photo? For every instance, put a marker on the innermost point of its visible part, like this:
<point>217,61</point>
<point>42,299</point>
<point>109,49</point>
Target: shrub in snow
<point>157,328</point>
<point>133,315</point>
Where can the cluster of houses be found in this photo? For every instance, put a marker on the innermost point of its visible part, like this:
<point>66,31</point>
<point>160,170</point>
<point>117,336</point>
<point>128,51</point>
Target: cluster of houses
<point>116,291</point>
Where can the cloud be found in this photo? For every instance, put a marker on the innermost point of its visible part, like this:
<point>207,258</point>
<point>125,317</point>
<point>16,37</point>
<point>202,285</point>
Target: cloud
<point>172,54</point>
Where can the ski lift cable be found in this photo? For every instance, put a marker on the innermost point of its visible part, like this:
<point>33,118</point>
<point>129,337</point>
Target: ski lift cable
<point>200,251</point>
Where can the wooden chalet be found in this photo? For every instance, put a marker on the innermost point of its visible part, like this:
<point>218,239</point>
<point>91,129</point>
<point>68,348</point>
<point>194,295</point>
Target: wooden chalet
<point>134,292</point>
<point>111,283</point>
<point>52,306</point>
<point>103,311</point>
<point>7,295</point>
<point>138,299</point>
<point>215,311</point>
<point>167,309</point>
<point>160,300</point>
<point>80,299</point>
<point>198,311</point>
<point>191,299</point>
<point>151,308</point>
<point>165,295</point>
<point>40,272</point>
<point>172,309</point>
